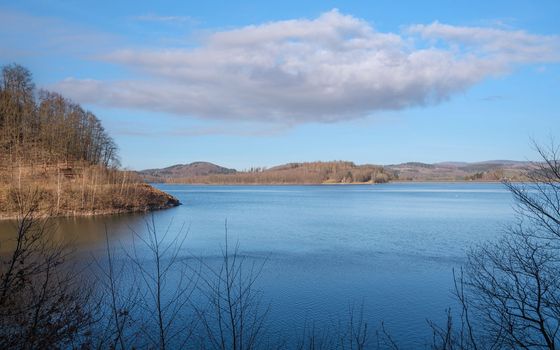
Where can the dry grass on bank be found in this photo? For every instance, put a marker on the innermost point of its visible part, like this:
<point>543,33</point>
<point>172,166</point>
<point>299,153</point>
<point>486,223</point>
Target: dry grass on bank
<point>79,190</point>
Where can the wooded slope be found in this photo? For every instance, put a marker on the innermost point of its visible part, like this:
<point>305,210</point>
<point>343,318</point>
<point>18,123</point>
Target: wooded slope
<point>341,172</point>
<point>57,156</point>
<point>293,173</point>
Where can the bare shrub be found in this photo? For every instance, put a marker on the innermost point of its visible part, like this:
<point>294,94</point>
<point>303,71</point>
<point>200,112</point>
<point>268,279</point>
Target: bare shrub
<point>42,302</point>
<point>234,317</point>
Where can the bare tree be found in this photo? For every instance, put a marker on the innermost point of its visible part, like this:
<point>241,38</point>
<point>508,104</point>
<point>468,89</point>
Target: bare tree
<point>41,302</point>
<point>510,290</point>
<point>166,286</point>
<point>119,295</point>
<point>234,317</point>
<point>316,338</point>
<point>349,333</point>
<point>355,334</point>
<point>538,199</point>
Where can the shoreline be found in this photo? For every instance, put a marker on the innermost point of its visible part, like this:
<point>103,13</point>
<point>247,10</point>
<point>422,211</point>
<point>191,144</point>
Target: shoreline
<point>149,199</point>
<point>173,202</point>
<point>87,214</point>
<point>326,183</point>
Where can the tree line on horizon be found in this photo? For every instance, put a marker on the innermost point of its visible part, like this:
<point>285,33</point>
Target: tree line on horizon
<point>339,172</point>
<point>335,172</point>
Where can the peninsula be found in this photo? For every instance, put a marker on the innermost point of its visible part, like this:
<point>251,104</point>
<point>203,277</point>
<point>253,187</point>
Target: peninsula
<point>57,159</point>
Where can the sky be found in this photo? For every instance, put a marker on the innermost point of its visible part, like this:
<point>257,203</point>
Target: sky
<point>261,83</point>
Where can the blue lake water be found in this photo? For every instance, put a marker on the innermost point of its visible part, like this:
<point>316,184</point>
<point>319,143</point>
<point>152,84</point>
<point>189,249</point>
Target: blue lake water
<point>389,247</point>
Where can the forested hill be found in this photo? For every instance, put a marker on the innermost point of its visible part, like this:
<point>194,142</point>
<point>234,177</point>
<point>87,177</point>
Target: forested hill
<point>341,172</point>
<point>292,173</point>
<point>494,170</point>
<point>56,156</point>
<point>194,169</point>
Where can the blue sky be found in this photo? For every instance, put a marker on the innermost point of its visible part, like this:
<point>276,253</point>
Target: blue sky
<point>250,83</point>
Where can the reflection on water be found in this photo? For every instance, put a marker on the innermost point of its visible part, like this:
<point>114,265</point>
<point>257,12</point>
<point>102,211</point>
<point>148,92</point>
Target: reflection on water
<point>391,247</point>
<point>82,233</point>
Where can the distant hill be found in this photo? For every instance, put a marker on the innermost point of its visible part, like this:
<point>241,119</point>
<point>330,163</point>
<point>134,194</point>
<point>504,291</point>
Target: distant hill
<point>194,169</point>
<point>493,170</point>
<point>291,173</point>
<point>340,172</point>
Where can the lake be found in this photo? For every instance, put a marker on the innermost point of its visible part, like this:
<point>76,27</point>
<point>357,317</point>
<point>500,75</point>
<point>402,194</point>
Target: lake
<point>388,248</point>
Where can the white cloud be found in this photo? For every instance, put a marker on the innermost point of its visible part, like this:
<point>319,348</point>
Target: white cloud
<point>331,68</point>
<point>507,45</point>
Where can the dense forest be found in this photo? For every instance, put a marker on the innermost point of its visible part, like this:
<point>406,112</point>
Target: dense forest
<point>57,153</point>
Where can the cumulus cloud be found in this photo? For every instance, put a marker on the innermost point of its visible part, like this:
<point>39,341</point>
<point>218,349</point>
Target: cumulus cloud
<point>335,67</point>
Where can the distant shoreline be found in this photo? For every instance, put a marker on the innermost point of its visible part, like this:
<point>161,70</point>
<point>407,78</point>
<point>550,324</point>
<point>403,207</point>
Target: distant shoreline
<point>339,173</point>
<point>325,184</point>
